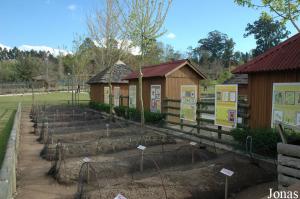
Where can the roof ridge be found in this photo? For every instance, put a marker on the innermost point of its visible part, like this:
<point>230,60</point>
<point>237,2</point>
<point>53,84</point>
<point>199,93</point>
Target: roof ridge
<point>165,63</point>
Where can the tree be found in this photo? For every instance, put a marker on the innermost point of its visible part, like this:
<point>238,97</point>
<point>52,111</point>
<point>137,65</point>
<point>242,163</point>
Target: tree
<point>228,53</point>
<point>216,47</point>
<point>214,44</point>
<point>170,53</point>
<point>145,19</point>
<point>106,29</point>
<point>267,33</point>
<point>288,10</point>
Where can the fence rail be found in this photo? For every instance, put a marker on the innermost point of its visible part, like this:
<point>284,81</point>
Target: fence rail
<point>205,116</point>
<point>8,169</point>
<point>288,165</point>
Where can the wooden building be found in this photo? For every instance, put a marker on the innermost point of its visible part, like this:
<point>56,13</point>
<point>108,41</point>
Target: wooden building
<point>165,79</point>
<point>242,81</point>
<point>277,65</point>
<point>99,84</point>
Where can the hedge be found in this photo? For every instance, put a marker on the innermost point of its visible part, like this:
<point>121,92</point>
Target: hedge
<point>130,113</point>
<point>264,140</point>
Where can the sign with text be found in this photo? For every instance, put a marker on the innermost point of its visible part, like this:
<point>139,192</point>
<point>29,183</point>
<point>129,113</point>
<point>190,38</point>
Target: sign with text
<point>155,100</point>
<point>188,102</point>
<point>116,96</point>
<point>227,172</point>
<point>132,96</point>
<point>286,103</point>
<point>226,99</point>
<point>106,95</point>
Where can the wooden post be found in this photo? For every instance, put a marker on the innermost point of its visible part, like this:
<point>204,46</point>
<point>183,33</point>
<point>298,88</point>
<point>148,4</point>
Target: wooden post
<point>198,117</point>
<point>219,134</point>
<point>88,172</point>
<point>121,100</point>
<point>193,160</point>
<point>226,187</point>
<point>142,162</point>
<point>181,124</point>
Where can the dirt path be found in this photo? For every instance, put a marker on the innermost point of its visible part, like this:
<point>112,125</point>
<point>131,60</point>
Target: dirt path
<point>32,181</point>
<point>256,192</point>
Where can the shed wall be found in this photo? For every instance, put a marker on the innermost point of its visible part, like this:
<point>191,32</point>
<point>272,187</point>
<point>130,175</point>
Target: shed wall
<point>260,95</point>
<point>97,91</point>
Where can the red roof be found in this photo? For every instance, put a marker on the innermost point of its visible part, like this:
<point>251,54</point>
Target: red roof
<point>161,70</point>
<point>285,56</point>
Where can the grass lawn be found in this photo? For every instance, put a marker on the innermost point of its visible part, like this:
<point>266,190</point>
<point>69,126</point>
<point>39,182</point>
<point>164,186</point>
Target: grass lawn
<point>11,102</point>
<point>8,107</point>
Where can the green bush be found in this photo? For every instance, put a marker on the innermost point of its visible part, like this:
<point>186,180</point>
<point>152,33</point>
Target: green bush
<point>264,141</point>
<point>100,106</point>
<point>130,113</point>
<point>135,115</point>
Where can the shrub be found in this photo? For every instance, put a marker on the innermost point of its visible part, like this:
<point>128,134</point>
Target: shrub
<point>264,141</point>
<point>100,106</point>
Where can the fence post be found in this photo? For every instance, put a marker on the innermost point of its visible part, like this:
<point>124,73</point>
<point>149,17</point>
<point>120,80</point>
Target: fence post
<point>198,116</point>
<point>219,133</point>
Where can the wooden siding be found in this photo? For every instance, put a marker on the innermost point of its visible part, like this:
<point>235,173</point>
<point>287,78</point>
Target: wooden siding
<point>243,89</point>
<point>183,76</point>
<point>97,91</point>
<point>147,82</point>
<point>260,95</point>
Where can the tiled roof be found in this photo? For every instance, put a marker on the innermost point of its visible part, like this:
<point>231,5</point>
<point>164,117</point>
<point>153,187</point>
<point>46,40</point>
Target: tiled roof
<point>160,70</point>
<point>285,56</point>
<point>238,79</point>
<point>121,70</point>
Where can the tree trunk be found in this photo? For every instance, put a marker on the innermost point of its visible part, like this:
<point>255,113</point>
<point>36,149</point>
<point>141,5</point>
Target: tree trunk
<point>141,99</point>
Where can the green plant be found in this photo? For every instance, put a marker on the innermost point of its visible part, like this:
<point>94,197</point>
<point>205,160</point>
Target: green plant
<point>264,141</point>
<point>4,135</point>
<point>100,106</point>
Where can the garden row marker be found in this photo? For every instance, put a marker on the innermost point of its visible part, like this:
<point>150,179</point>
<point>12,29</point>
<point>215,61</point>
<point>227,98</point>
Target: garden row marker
<point>193,144</point>
<point>142,148</point>
<point>120,196</point>
<point>87,161</point>
<point>227,174</point>
<point>107,132</point>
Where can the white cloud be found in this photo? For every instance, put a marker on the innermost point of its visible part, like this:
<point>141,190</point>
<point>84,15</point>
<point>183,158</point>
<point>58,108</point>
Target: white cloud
<point>4,46</point>
<point>72,7</point>
<point>171,35</point>
<point>54,51</point>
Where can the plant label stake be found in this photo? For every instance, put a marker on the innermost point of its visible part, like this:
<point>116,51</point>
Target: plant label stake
<point>107,132</point>
<point>142,148</point>
<point>87,161</point>
<point>120,196</point>
<point>193,144</point>
<point>227,174</point>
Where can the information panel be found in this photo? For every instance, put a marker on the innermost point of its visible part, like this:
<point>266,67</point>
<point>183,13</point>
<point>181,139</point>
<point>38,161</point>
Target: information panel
<point>132,96</point>
<point>106,95</point>
<point>226,99</point>
<point>155,101</point>
<point>188,102</point>
<point>116,96</point>
<point>286,103</point>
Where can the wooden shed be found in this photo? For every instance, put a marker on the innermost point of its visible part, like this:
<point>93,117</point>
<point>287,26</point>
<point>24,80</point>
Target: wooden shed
<point>99,84</point>
<point>277,65</point>
<point>166,80</point>
<point>242,81</point>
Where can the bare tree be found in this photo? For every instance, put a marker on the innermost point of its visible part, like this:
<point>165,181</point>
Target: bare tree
<point>144,22</point>
<point>106,30</point>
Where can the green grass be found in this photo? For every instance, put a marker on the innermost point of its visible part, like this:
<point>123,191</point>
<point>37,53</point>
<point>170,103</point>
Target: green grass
<point>5,128</point>
<point>11,102</point>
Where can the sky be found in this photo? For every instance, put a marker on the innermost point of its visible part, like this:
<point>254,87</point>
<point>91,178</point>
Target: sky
<point>54,23</point>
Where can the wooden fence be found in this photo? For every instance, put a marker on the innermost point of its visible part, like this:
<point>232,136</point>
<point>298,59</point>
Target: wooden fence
<point>288,165</point>
<point>205,116</point>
